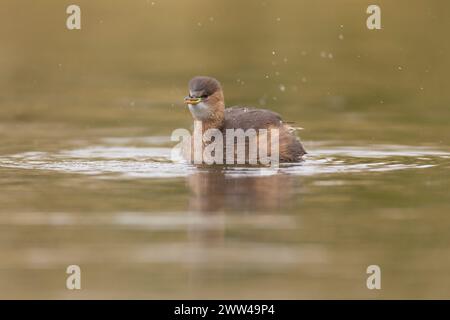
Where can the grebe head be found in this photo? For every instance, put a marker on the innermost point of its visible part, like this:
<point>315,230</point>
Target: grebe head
<point>205,99</point>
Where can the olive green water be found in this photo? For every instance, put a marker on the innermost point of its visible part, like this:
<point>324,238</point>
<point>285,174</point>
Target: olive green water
<point>86,178</point>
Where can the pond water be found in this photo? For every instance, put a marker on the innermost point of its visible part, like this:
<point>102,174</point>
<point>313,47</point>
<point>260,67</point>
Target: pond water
<point>86,176</point>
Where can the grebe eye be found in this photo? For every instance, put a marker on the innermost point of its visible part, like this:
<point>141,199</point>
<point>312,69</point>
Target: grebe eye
<point>204,96</point>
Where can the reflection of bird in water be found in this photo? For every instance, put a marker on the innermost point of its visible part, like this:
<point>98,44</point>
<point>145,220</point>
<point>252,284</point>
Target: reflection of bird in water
<point>213,196</point>
<point>213,190</point>
<point>206,103</point>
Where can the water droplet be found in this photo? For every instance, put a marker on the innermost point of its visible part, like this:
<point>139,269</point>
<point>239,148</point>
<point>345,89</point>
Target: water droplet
<point>282,88</point>
<point>262,101</point>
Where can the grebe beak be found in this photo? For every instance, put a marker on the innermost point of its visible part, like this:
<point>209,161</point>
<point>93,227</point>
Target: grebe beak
<point>193,101</point>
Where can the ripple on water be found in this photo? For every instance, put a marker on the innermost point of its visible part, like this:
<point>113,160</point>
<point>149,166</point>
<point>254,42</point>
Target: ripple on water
<point>114,157</point>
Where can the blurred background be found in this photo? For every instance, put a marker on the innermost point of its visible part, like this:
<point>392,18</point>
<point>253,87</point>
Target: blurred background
<point>85,120</point>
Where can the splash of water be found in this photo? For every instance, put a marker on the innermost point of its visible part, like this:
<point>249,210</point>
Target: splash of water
<point>115,158</point>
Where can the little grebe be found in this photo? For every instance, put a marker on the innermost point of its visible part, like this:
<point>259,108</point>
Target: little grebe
<point>206,104</point>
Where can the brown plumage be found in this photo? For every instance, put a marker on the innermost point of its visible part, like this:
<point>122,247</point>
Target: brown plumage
<point>206,103</point>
